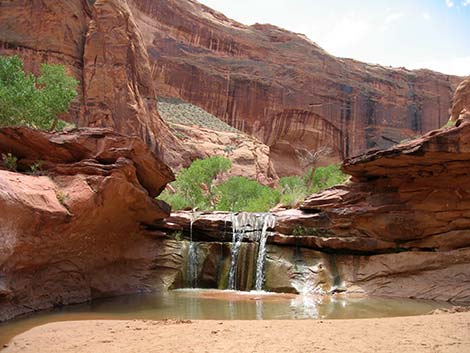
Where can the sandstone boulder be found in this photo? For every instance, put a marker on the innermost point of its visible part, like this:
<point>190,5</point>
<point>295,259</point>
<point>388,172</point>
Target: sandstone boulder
<point>80,230</point>
<point>461,102</point>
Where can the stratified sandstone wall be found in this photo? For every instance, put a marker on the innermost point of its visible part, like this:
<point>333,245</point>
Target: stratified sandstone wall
<point>102,47</point>
<point>306,105</point>
<point>79,231</point>
<point>46,31</point>
<point>283,88</point>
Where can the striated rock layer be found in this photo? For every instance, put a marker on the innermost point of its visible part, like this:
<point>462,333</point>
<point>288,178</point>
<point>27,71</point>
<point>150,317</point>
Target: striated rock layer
<point>400,227</point>
<point>78,231</point>
<point>306,105</point>
<point>250,157</point>
<point>284,89</point>
<point>102,47</point>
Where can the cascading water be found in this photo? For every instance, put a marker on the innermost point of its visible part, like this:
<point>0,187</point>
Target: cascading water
<point>193,264</point>
<point>238,234</point>
<point>192,271</point>
<point>253,227</point>
<point>269,221</point>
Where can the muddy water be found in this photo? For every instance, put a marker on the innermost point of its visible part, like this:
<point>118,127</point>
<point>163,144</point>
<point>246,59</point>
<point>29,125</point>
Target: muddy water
<point>222,305</point>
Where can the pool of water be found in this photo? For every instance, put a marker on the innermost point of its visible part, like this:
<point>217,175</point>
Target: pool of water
<point>223,305</point>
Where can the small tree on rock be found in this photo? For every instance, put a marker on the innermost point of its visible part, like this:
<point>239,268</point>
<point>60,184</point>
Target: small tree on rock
<point>33,101</point>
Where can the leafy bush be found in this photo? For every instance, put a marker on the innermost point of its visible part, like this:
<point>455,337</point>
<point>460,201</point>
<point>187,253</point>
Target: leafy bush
<point>9,161</point>
<point>194,188</point>
<point>242,194</point>
<point>325,177</point>
<point>293,190</point>
<point>36,168</point>
<point>34,101</point>
<point>193,185</point>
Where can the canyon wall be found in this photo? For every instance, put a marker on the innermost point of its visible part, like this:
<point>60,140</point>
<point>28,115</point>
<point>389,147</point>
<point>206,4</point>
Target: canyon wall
<point>103,49</point>
<point>307,105</point>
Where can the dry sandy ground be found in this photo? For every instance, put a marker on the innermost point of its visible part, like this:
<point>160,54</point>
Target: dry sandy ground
<point>431,333</point>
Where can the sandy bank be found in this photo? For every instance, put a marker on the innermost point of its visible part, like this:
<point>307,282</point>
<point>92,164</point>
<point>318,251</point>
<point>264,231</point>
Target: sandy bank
<point>431,333</point>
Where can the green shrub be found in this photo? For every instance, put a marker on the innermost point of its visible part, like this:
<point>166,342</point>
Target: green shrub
<point>193,185</point>
<point>194,188</point>
<point>325,177</point>
<point>175,200</point>
<point>9,161</point>
<point>62,197</point>
<point>36,168</point>
<point>242,194</point>
<point>293,190</point>
<point>303,231</point>
<point>34,101</point>
<point>449,123</point>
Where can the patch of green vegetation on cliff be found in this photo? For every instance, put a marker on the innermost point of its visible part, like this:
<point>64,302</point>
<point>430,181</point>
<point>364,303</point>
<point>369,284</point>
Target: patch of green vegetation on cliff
<point>193,185</point>
<point>294,189</point>
<point>34,101</point>
<point>305,231</point>
<point>196,187</point>
<point>176,111</point>
<point>242,194</point>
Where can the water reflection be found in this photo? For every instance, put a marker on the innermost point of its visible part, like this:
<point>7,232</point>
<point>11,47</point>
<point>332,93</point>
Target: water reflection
<point>223,305</point>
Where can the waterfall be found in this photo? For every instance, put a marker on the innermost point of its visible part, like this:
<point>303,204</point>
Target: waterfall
<point>193,263</point>
<point>253,227</point>
<point>269,221</point>
<point>238,234</point>
<point>192,271</point>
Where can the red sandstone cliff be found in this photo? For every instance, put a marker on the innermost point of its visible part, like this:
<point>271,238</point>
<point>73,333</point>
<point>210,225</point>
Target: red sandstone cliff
<point>103,48</point>
<point>305,104</point>
<point>283,88</point>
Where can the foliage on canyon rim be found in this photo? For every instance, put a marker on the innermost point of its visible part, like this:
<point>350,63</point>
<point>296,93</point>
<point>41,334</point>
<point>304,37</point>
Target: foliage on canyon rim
<point>242,194</point>
<point>294,189</point>
<point>34,101</point>
<point>195,187</point>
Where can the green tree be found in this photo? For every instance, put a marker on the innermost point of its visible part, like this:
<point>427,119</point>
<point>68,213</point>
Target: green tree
<point>293,190</point>
<point>193,185</point>
<point>325,177</point>
<point>33,101</point>
<point>243,194</point>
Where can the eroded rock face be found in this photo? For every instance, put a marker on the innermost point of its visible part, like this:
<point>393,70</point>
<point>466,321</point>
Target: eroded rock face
<point>79,231</point>
<point>250,157</point>
<point>461,102</point>
<point>307,106</point>
<point>118,88</point>
<point>284,89</point>
<point>103,49</point>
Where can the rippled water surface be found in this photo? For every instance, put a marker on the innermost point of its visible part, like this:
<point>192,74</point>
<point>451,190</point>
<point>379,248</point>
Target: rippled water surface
<point>199,304</point>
